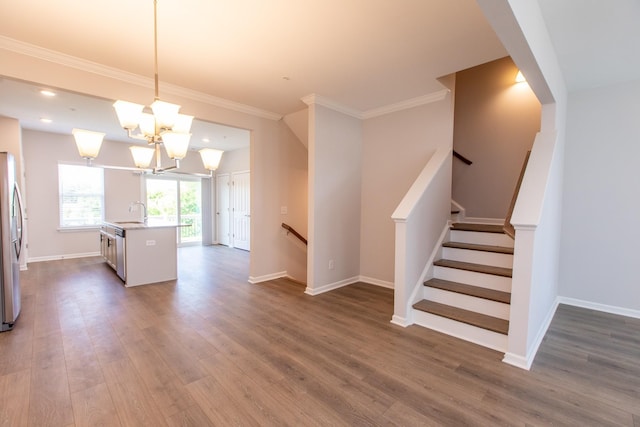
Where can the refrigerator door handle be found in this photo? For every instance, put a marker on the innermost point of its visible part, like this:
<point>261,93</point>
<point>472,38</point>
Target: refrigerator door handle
<point>17,206</point>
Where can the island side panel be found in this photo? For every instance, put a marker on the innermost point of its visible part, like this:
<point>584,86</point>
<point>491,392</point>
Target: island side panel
<point>151,255</point>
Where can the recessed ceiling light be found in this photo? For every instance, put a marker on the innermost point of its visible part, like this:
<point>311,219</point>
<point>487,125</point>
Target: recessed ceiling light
<point>45,120</point>
<point>205,140</point>
<point>47,92</point>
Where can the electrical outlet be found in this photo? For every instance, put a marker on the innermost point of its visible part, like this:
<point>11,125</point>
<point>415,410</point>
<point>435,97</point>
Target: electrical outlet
<point>151,242</point>
<point>332,264</point>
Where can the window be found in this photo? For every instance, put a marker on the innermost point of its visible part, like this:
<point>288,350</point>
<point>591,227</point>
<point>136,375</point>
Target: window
<point>177,201</point>
<point>81,190</point>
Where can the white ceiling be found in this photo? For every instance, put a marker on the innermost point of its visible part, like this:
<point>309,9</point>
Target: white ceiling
<point>361,54</point>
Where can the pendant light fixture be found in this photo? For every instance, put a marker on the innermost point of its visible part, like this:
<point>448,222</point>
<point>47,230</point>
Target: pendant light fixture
<point>163,126</point>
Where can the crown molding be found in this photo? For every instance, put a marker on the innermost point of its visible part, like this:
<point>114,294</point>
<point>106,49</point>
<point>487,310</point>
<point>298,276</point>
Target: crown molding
<point>381,111</point>
<point>63,59</point>
<point>333,105</point>
<point>405,105</point>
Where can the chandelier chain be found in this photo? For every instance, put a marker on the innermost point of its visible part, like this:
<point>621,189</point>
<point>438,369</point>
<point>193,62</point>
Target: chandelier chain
<point>155,48</point>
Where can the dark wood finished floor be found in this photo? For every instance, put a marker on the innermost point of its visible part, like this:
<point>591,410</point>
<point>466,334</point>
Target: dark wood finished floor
<point>211,349</point>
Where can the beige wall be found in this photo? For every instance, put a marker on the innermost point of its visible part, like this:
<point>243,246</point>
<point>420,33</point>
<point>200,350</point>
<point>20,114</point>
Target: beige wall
<point>495,124</point>
<point>235,161</point>
<point>335,157</point>
<point>269,138</point>
<point>395,149</point>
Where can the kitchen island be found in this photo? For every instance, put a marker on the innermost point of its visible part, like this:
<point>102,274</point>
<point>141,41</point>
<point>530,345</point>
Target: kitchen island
<point>140,253</point>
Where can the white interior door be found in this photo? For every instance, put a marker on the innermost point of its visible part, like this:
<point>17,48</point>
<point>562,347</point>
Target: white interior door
<point>223,209</point>
<point>241,197</point>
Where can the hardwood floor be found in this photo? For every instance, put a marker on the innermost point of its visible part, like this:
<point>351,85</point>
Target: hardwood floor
<point>212,349</point>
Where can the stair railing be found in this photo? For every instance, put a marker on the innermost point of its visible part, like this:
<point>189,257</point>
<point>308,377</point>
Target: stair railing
<point>508,227</point>
<point>462,158</point>
<point>294,232</point>
<point>420,219</point>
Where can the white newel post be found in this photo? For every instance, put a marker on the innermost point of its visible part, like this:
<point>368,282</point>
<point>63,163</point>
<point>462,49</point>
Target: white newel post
<point>401,287</point>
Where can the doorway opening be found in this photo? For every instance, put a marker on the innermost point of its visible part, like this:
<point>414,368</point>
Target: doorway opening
<point>177,200</point>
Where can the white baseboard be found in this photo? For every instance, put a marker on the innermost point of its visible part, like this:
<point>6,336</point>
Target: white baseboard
<point>376,282</point>
<point>258,279</point>
<point>628,312</point>
<point>400,321</point>
<point>331,286</point>
<point>479,220</point>
<point>525,362</point>
<point>59,257</point>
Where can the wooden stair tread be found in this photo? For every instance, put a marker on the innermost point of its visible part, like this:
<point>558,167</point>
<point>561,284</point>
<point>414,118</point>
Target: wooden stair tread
<point>485,228</point>
<point>474,291</point>
<point>483,321</point>
<point>476,247</point>
<point>478,268</point>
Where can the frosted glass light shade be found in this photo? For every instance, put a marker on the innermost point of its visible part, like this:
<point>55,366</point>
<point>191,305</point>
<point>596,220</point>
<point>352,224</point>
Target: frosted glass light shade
<point>176,144</point>
<point>211,158</point>
<point>147,125</point>
<point>128,114</point>
<point>141,156</point>
<point>165,113</point>
<point>88,142</point>
<point>183,123</point>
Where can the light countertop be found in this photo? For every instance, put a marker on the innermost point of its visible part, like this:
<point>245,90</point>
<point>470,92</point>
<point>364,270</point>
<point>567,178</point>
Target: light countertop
<point>136,225</point>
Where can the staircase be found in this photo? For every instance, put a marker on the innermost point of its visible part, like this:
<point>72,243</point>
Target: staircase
<point>469,296</point>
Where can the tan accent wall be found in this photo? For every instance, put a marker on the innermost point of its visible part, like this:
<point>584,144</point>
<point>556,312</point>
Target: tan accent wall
<point>495,123</point>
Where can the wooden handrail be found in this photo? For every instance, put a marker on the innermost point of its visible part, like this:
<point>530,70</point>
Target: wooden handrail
<point>462,158</point>
<point>508,227</point>
<point>294,232</point>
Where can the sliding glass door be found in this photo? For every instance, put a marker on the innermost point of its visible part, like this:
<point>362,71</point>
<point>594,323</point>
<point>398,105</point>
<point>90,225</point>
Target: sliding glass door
<point>177,200</point>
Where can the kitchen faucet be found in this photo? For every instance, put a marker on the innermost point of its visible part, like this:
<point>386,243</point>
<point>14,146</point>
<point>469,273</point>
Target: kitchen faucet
<point>144,209</point>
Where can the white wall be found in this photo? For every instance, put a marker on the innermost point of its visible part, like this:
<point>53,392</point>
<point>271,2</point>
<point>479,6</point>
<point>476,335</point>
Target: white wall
<point>599,252</point>
<point>42,153</point>
<point>395,149</point>
<point>335,165</point>
<point>235,161</point>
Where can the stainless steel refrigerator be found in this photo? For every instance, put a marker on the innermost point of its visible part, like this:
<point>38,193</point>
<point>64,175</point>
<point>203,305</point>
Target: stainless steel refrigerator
<point>10,242</point>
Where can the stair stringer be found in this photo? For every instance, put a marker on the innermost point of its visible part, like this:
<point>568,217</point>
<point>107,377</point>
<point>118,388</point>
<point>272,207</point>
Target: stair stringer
<point>427,273</point>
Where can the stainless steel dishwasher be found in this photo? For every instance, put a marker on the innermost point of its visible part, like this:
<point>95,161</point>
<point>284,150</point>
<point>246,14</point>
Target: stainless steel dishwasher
<point>120,255</point>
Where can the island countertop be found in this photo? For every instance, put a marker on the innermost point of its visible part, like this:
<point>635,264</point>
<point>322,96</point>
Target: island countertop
<point>133,225</point>
<point>141,253</point>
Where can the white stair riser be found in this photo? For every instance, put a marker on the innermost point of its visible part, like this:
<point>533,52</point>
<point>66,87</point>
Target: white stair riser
<point>467,302</point>
<point>478,257</point>
<point>461,330</point>
<point>473,278</point>
<point>494,239</point>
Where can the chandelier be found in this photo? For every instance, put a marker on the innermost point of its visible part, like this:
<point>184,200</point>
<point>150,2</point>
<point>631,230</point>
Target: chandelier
<point>163,126</point>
